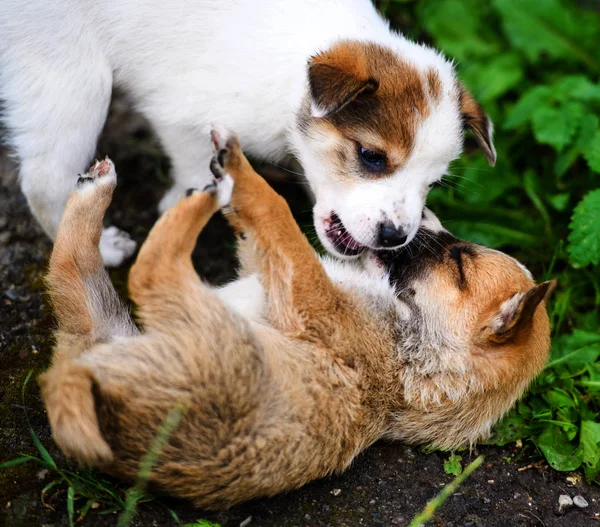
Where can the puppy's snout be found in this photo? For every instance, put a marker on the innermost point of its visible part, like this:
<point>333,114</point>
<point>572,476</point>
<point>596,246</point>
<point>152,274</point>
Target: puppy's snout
<point>390,236</point>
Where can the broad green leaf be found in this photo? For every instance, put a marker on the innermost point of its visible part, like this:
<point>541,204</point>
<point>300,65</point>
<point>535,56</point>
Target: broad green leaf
<point>576,87</point>
<point>584,240</point>
<point>509,429</point>
<point>592,152</point>
<point>452,465</point>
<point>559,451</point>
<point>549,28</point>
<point>590,445</point>
<point>494,78</point>
<point>557,398</point>
<point>455,24</point>
<point>556,126</point>
<point>522,112</point>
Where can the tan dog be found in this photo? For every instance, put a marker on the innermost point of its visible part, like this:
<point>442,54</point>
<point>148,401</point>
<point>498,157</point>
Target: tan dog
<point>428,345</point>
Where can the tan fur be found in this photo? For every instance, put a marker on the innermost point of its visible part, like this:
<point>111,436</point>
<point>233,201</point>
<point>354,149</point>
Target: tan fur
<point>269,407</point>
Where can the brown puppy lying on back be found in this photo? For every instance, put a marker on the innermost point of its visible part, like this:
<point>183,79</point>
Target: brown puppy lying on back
<point>431,344</point>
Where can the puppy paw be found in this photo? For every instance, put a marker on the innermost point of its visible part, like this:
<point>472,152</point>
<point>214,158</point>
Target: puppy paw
<point>227,150</point>
<point>221,188</point>
<point>115,246</point>
<point>101,173</point>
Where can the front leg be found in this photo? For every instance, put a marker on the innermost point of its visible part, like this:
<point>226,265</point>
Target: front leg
<point>300,298</point>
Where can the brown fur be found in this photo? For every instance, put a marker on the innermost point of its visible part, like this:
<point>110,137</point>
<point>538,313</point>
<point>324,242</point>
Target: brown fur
<point>387,97</point>
<point>479,123</point>
<point>268,407</point>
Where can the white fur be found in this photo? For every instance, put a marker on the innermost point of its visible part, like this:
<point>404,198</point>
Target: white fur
<point>186,63</point>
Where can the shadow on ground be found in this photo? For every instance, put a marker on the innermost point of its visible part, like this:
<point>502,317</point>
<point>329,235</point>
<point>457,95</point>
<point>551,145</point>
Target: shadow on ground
<point>387,485</point>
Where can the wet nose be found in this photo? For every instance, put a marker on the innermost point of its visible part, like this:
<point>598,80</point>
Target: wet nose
<point>390,236</point>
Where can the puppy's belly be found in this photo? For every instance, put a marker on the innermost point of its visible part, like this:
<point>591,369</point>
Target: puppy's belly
<point>245,296</point>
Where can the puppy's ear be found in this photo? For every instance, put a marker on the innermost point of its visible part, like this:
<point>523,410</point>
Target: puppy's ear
<point>337,77</point>
<point>479,123</point>
<point>516,313</point>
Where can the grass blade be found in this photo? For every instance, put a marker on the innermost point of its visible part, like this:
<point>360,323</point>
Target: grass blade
<point>71,506</point>
<point>18,461</point>
<point>48,461</point>
<point>135,493</point>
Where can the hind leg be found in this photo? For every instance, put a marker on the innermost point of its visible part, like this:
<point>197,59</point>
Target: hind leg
<point>86,305</point>
<point>163,282</point>
<point>55,112</point>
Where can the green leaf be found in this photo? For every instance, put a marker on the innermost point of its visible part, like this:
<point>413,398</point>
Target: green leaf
<point>510,428</point>
<point>556,126</point>
<point>452,465</point>
<point>592,152</point>
<point>576,87</point>
<point>559,202</point>
<point>461,38</point>
<point>549,28</point>
<point>590,445</point>
<point>522,112</point>
<point>584,240</point>
<point>498,76</point>
<point>559,451</point>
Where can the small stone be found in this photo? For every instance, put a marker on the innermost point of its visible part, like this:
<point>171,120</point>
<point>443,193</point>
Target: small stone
<point>491,481</point>
<point>11,293</point>
<point>336,492</point>
<point>580,502</point>
<point>564,502</point>
<point>246,522</point>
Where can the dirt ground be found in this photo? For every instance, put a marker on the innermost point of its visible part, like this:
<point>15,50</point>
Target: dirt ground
<point>387,485</point>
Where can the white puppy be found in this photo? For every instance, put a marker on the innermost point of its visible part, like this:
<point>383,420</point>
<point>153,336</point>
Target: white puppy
<point>374,118</point>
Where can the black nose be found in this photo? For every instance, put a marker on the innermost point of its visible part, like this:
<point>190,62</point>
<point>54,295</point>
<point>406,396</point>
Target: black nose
<point>389,236</point>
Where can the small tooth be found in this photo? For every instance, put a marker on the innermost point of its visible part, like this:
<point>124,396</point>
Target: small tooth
<point>339,233</point>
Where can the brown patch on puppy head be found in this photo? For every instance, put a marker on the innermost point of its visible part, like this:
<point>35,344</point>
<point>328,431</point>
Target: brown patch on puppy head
<point>479,123</point>
<point>371,97</point>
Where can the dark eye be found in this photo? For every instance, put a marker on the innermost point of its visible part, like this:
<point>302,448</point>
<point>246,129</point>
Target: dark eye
<point>373,161</point>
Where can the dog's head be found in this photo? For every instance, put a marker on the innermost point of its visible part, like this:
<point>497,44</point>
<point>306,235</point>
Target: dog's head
<point>380,126</point>
<point>473,333</point>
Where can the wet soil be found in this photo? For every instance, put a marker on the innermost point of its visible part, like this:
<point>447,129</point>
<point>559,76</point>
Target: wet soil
<point>387,485</point>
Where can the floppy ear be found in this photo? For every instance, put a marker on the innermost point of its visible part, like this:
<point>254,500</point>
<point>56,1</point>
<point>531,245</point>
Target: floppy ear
<point>479,123</point>
<point>337,77</point>
<point>516,312</point>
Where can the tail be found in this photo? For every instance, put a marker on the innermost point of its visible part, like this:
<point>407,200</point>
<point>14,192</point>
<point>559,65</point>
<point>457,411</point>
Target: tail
<point>67,390</point>
<point>88,311</point>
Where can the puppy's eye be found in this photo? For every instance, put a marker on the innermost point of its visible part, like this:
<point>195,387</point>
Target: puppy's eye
<point>373,161</point>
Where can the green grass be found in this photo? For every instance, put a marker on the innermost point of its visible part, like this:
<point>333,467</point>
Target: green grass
<point>534,68</point>
<point>87,488</point>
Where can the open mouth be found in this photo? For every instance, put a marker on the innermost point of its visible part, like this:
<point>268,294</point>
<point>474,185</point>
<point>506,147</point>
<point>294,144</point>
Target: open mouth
<point>340,238</point>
